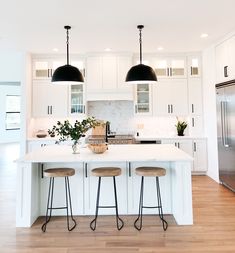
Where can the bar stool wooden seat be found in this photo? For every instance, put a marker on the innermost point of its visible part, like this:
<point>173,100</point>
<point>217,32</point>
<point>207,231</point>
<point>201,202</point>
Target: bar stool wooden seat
<point>150,172</point>
<point>52,174</point>
<point>107,172</point>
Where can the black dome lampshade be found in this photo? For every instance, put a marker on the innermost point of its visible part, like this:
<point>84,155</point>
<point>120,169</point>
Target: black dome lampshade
<point>67,74</point>
<point>141,73</point>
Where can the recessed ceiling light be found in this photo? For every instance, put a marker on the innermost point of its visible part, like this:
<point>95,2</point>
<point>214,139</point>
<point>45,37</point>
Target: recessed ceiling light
<point>160,48</point>
<point>107,49</point>
<point>204,35</point>
<point>55,49</point>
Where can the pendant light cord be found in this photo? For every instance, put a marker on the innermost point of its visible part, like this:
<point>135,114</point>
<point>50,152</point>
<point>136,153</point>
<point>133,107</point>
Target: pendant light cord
<point>140,27</point>
<point>67,42</point>
<point>140,47</point>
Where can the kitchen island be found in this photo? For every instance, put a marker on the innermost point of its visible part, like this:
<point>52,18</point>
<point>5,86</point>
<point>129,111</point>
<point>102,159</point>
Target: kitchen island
<point>176,186</point>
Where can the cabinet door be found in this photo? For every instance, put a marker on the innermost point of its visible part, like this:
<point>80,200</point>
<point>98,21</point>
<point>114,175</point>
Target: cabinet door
<point>161,68</point>
<point>94,74</point>
<point>76,190</point>
<point>194,66</point>
<point>34,145</point>
<point>106,196</point>
<point>143,99</point>
<point>150,195</point>
<point>196,125</point>
<point>222,62</point>
<point>162,98</point>
<point>109,64</point>
<point>76,100</point>
<point>195,96</point>
<point>41,69</point>
<point>179,97</point>
<point>124,63</point>
<point>49,100</point>
<point>171,97</point>
<point>231,60</point>
<point>200,155</point>
<point>177,68</point>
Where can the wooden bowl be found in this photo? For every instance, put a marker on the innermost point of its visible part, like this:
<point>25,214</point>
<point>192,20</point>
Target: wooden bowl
<point>98,148</point>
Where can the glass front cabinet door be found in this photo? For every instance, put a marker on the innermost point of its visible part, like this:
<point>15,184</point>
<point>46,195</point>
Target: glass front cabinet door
<point>77,105</point>
<point>143,101</point>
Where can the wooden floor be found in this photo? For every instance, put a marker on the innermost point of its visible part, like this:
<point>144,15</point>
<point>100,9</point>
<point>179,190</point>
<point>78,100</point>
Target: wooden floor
<point>213,229</point>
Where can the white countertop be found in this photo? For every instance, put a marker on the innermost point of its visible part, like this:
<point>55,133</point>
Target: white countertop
<point>176,137</point>
<point>122,153</point>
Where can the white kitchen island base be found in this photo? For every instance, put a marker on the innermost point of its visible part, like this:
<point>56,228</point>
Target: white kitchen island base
<point>176,189</point>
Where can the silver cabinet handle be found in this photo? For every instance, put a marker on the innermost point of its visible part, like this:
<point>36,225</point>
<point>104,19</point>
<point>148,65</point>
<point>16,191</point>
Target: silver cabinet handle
<point>129,169</point>
<point>193,122</point>
<point>194,147</point>
<point>192,108</point>
<point>225,71</point>
<point>85,169</point>
<point>84,109</point>
<point>51,110</point>
<point>48,109</point>
<point>191,69</point>
<point>135,108</point>
<point>171,108</point>
<point>168,107</point>
<point>178,145</point>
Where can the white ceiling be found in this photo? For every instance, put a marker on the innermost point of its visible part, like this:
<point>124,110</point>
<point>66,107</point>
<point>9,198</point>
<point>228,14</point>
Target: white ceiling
<point>176,25</point>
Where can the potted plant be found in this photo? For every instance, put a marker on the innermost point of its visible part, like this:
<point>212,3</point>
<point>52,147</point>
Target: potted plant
<point>180,126</point>
<point>65,130</point>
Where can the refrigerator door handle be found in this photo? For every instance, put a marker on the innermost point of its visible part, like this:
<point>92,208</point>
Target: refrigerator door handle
<point>226,144</point>
<point>222,121</point>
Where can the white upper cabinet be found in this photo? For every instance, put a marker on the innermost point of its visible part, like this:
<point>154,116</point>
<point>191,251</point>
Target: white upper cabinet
<point>225,60</point>
<point>143,99</point>
<point>106,78</point>
<point>170,98</point>
<point>44,68</point>
<point>46,103</point>
<point>94,74</point>
<point>195,96</point>
<point>194,66</point>
<point>174,67</point>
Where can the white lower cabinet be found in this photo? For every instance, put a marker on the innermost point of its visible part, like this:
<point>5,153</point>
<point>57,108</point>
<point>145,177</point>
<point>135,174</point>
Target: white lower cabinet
<point>200,155</point>
<point>76,190</point>
<point>196,125</point>
<point>150,194</point>
<point>106,190</point>
<point>197,148</point>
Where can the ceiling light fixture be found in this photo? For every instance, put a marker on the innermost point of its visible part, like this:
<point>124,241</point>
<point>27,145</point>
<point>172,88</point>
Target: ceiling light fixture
<point>141,73</point>
<point>160,48</point>
<point>67,73</point>
<point>107,49</point>
<point>55,49</point>
<point>204,35</point>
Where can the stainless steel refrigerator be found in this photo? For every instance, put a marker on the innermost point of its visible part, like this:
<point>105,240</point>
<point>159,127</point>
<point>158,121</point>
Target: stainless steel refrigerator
<point>226,133</point>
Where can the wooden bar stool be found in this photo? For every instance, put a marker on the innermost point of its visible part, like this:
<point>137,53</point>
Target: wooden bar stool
<point>150,172</point>
<point>106,172</point>
<point>52,174</point>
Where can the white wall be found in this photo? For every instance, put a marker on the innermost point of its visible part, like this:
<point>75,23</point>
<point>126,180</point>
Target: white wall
<point>7,135</point>
<point>11,71</point>
<point>209,101</point>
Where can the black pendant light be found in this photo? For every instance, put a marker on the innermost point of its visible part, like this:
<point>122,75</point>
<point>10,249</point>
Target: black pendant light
<point>67,73</point>
<point>141,73</point>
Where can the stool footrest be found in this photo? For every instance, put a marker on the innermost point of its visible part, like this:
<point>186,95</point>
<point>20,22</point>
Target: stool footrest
<point>106,206</point>
<point>52,208</point>
<point>151,207</point>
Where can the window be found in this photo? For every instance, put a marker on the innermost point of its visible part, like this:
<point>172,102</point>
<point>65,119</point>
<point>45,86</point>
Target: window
<point>12,112</point>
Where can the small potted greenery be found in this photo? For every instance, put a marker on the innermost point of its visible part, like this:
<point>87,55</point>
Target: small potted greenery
<point>180,126</point>
<point>65,130</point>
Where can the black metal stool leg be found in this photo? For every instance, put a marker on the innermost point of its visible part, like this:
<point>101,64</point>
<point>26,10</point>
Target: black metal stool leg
<point>49,203</point>
<point>164,223</point>
<point>68,196</point>
<point>93,222</point>
<point>116,206</point>
<point>140,215</point>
